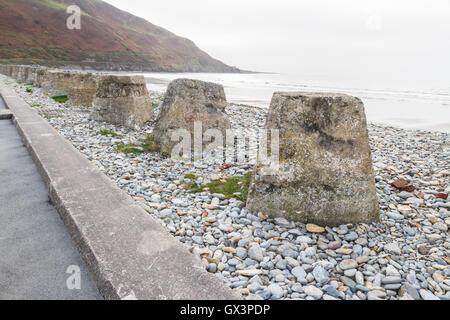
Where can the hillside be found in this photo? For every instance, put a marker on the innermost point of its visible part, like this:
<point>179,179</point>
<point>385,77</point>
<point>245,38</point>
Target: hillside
<point>35,32</point>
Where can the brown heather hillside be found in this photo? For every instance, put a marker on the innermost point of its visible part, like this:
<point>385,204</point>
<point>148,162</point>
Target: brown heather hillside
<point>35,32</point>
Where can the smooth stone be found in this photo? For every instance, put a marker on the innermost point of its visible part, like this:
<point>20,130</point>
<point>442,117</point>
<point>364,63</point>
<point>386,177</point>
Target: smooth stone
<point>321,275</point>
<point>330,290</point>
<point>352,236</point>
<point>427,295</point>
<point>348,264</point>
<point>334,245</point>
<point>276,291</point>
<point>392,248</point>
<point>362,259</point>
<point>376,295</point>
<point>348,282</point>
<point>256,253</point>
<point>392,271</point>
<point>392,286</point>
<point>198,239</point>
<point>233,262</point>
<point>297,288</point>
<point>241,253</point>
<point>249,272</point>
<point>359,278</point>
<point>313,292</point>
<point>344,251</point>
<point>350,273</point>
<point>292,262</point>
<point>362,288</point>
<point>394,215</point>
<point>391,280</point>
<point>314,228</point>
<point>212,267</point>
<point>304,239</point>
<point>299,272</point>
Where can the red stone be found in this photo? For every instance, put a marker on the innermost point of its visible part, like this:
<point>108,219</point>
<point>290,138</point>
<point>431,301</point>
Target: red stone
<point>441,195</point>
<point>226,166</point>
<point>403,185</point>
<point>400,183</point>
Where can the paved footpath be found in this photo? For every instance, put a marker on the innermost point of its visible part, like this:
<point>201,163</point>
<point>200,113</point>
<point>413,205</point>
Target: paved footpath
<point>35,247</point>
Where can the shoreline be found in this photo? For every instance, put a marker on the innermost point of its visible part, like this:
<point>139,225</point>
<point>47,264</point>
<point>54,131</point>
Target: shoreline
<point>426,110</point>
<point>401,257</point>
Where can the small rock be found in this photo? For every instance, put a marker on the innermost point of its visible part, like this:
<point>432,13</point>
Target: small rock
<point>402,184</point>
<point>392,248</point>
<point>348,264</point>
<point>212,267</point>
<point>350,273</point>
<point>376,295</point>
<point>299,273</point>
<point>362,259</point>
<point>391,280</point>
<point>321,275</point>
<point>241,253</point>
<point>423,250</point>
<point>334,245</point>
<point>276,291</point>
<point>345,251</point>
<point>427,295</point>
<point>313,292</point>
<point>348,282</point>
<point>394,215</point>
<point>441,195</point>
<point>404,209</point>
<point>256,253</point>
<point>314,228</point>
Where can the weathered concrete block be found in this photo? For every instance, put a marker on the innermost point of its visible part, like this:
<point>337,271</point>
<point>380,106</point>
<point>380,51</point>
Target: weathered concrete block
<point>122,100</point>
<point>55,82</point>
<point>39,76</point>
<point>83,87</point>
<point>9,70</point>
<point>18,72</point>
<point>34,73</point>
<point>325,171</point>
<point>21,73</point>
<point>186,102</point>
<point>15,71</point>
<point>79,87</point>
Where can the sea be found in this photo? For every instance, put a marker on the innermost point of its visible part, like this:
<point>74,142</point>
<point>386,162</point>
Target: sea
<point>422,106</point>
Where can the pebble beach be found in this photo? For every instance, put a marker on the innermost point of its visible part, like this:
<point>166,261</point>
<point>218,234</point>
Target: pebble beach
<point>404,256</point>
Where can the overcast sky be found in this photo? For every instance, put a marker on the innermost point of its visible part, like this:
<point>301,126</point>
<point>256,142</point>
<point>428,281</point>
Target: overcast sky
<point>409,37</point>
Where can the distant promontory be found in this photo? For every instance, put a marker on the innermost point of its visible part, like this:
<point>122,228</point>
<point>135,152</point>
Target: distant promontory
<point>35,32</point>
